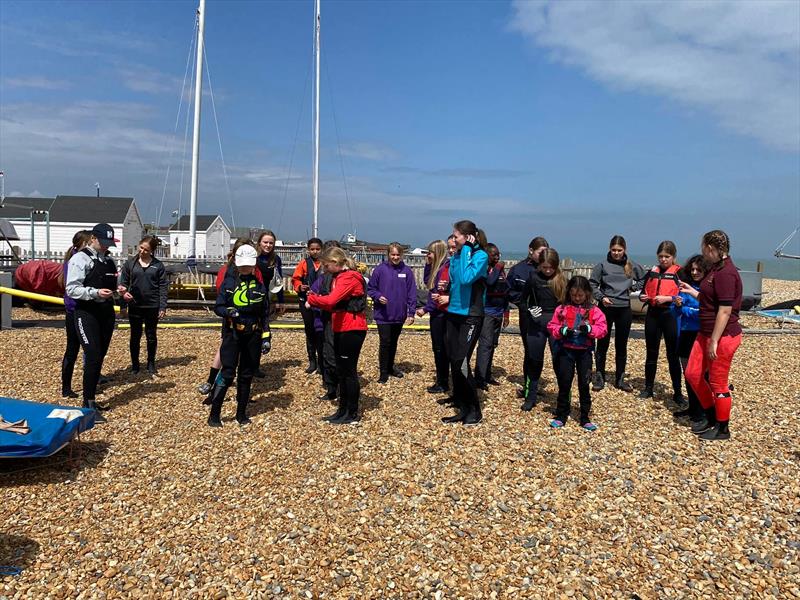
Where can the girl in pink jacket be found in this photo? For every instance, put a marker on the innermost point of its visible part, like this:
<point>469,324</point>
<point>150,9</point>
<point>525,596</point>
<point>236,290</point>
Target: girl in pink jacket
<point>575,326</point>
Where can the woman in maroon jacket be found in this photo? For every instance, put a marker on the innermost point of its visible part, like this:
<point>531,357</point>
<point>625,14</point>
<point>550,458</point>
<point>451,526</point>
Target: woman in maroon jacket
<point>720,335</point>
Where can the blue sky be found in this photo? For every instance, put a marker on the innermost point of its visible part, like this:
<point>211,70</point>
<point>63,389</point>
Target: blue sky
<point>573,120</point>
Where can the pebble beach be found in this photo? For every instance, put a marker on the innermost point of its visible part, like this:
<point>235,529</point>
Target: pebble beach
<point>157,504</point>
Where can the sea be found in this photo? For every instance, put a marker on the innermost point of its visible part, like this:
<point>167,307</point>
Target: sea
<point>774,268</point>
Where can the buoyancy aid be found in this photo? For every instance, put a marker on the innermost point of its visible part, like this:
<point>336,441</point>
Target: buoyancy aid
<point>354,304</point>
<point>661,283</point>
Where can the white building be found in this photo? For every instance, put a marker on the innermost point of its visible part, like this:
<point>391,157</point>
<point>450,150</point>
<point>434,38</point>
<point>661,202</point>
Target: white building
<point>68,214</point>
<point>212,238</point>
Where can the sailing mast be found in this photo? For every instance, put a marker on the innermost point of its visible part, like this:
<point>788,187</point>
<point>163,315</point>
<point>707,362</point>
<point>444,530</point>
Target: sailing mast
<point>316,117</point>
<point>198,93</point>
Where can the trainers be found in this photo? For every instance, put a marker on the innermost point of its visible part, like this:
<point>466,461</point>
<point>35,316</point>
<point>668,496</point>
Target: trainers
<point>482,385</point>
<point>702,426</point>
<point>492,381</point>
<point>243,422</point>
<point>678,399</point>
<point>598,381</point>
<point>623,385</point>
<point>204,389</point>
<point>646,393</point>
<point>383,378</point>
<point>69,394</point>
<point>134,370</point>
<point>397,373</point>
<point>589,426</point>
<point>214,422</point>
<point>437,389</point>
<point>556,423</point>
<point>718,432</point>
<point>520,392</point>
<point>529,404</point>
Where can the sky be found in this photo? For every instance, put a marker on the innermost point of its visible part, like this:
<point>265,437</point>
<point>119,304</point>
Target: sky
<point>573,120</point>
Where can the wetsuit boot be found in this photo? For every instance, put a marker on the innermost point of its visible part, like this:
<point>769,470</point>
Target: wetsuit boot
<point>217,397</point>
<point>242,398</point>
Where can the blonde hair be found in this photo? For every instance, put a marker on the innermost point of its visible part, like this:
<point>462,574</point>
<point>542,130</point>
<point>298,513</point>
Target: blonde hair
<point>438,251</point>
<point>557,283</point>
<point>395,246</point>
<point>338,257</point>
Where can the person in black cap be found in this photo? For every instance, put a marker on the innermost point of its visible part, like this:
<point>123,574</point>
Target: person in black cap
<point>243,303</point>
<point>91,281</point>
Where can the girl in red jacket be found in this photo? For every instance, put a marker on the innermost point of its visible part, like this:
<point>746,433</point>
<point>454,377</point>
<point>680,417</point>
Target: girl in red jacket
<point>575,326</point>
<point>661,287</point>
<point>347,304</point>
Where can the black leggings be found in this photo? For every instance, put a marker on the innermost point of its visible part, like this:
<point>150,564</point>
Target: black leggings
<point>685,343</point>
<point>94,327</point>
<point>313,337</point>
<point>488,341</point>
<point>347,345</point>
<point>388,333</point>
<point>619,317</point>
<point>149,318</point>
<point>536,340</point>
<point>329,363</point>
<point>569,363</point>
<point>70,354</point>
<point>439,344</point>
<point>657,323</point>
<point>523,332</point>
<point>462,335</point>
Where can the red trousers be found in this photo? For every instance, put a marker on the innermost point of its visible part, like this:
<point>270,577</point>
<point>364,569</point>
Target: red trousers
<point>713,391</point>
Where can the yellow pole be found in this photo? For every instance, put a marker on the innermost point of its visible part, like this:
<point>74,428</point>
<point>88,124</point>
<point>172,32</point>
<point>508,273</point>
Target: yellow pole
<point>272,326</point>
<point>35,296</point>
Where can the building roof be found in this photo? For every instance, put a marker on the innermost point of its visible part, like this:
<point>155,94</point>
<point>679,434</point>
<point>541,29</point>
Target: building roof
<point>203,223</point>
<point>69,209</point>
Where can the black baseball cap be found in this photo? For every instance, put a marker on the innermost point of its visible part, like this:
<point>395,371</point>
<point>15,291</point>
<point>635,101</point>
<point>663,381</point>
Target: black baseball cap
<point>104,234</point>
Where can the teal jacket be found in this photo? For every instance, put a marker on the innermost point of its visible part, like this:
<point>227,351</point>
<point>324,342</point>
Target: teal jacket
<point>468,267</point>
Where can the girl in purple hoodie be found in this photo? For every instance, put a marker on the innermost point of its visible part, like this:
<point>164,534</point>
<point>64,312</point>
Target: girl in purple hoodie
<point>394,298</point>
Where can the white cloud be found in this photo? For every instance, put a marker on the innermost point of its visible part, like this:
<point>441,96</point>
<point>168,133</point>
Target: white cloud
<point>139,78</point>
<point>737,60</point>
<point>369,151</point>
<point>41,83</point>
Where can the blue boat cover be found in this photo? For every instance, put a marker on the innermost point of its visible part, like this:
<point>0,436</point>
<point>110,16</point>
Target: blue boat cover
<point>783,314</point>
<point>51,427</point>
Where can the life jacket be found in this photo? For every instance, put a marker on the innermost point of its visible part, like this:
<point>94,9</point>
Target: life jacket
<point>312,273</point>
<point>102,276</point>
<point>661,283</point>
<point>354,304</point>
<point>249,296</point>
<point>573,317</point>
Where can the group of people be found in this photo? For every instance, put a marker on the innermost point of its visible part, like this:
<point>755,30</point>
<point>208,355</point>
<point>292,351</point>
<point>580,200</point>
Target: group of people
<point>694,308</point>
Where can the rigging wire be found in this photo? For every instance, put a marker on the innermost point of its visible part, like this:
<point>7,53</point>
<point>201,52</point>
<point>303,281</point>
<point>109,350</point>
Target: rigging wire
<point>339,145</point>
<point>219,139</point>
<point>177,120</point>
<point>294,147</point>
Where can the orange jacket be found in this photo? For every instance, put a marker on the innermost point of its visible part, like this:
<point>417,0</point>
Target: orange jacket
<point>301,273</point>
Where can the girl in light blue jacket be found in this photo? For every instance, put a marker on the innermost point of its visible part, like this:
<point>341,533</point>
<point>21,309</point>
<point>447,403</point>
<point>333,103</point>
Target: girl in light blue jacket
<point>468,268</point>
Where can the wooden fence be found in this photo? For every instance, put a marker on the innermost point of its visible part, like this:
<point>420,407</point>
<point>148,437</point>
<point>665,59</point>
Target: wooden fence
<point>289,257</point>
